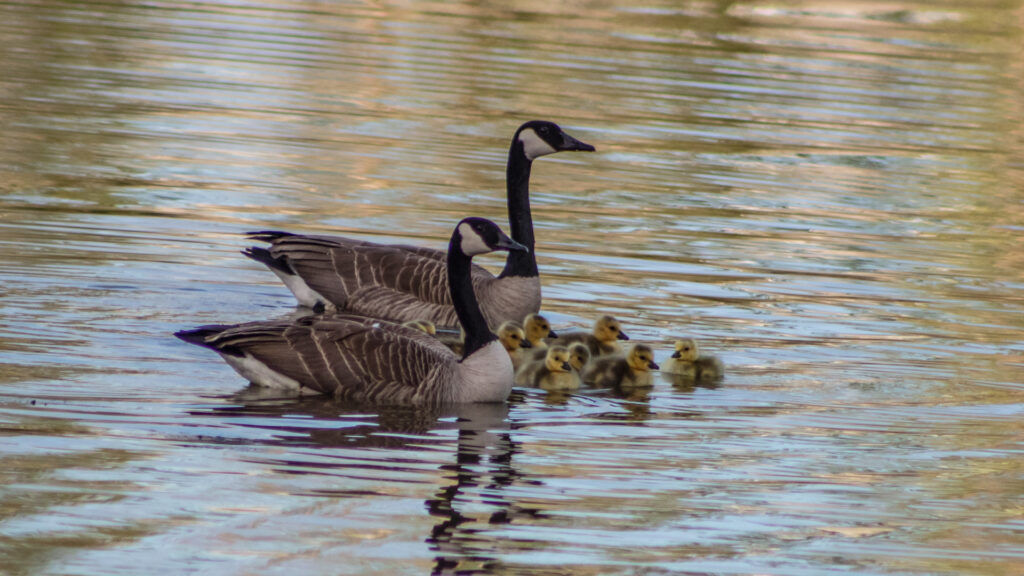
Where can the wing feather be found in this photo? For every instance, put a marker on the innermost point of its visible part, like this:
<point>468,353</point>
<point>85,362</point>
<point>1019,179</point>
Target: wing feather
<point>350,357</point>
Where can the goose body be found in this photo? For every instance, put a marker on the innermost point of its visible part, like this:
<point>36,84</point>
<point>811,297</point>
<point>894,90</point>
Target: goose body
<point>370,360</point>
<point>400,282</point>
<point>601,341</point>
<point>688,362</point>
<point>623,373</point>
<point>553,372</point>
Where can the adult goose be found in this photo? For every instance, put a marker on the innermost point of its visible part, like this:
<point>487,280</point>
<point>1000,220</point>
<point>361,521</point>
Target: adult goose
<point>368,360</point>
<point>400,282</point>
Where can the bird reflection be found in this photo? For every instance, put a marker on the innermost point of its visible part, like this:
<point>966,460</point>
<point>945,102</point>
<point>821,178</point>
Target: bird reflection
<point>475,494</point>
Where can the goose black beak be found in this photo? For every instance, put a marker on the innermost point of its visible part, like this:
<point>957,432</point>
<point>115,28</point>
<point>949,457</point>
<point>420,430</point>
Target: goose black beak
<point>551,334</point>
<point>622,336</point>
<point>525,344</point>
<point>653,366</point>
<point>506,243</point>
<point>566,367</point>
<point>676,354</point>
<point>570,143</point>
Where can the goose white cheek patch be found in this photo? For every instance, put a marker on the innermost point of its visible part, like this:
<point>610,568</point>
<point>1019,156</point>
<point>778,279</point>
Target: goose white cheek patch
<point>534,146</point>
<point>472,244</point>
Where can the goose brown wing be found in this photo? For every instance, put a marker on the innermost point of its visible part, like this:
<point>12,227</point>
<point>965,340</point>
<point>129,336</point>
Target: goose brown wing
<point>337,268</point>
<point>398,306</point>
<point>351,357</point>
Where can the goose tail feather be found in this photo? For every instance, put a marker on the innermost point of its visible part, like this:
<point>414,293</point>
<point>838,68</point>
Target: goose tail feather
<point>263,256</point>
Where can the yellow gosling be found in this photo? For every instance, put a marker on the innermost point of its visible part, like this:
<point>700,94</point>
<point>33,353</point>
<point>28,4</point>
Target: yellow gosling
<point>553,372</point>
<point>513,338</point>
<point>687,362</point>
<point>579,356</point>
<point>624,373</point>
<point>601,341</point>
<point>537,328</point>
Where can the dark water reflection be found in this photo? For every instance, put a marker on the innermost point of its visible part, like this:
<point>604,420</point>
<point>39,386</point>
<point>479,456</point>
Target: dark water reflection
<point>827,195</point>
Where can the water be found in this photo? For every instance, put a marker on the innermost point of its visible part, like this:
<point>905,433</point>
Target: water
<point>827,195</point>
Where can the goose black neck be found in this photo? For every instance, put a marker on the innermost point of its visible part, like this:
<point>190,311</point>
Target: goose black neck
<point>520,221</point>
<point>460,283</point>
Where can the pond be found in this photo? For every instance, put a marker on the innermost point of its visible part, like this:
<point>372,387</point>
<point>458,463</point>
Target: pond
<point>827,195</point>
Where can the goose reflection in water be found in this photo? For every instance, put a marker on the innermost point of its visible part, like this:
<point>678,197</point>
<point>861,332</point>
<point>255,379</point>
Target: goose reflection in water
<point>482,471</point>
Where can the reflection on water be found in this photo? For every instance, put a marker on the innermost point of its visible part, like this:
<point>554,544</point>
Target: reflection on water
<point>827,195</point>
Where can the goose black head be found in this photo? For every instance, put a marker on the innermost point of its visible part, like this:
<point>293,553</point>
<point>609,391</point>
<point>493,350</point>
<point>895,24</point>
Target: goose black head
<point>480,236</point>
<point>540,137</point>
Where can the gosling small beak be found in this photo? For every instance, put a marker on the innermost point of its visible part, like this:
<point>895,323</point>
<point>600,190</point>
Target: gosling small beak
<point>622,336</point>
<point>676,354</point>
<point>551,334</point>
<point>570,143</point>
<point>566,366</point>
<point>652,365</point>
<point>524,343</point>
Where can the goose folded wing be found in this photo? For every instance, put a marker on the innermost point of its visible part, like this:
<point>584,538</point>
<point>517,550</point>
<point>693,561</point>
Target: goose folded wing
<point>338,271</point>
<point>398,306</point>
<point>347,356</point>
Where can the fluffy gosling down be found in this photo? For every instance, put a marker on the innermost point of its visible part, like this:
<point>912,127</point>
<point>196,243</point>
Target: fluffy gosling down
<point>579,356</point>
<point>513,338</point>
<point>538,328</point>
<point>552,373</point>
<point>602,340</point>
<point>631,371</point>
<point>688,362</point>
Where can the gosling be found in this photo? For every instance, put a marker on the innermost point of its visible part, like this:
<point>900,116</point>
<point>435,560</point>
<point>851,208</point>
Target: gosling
<point>513,338</point>
<point>538,328</point>
<point>579,356</point>
<point>603,340</point>
<point>689,363</point>
<point>422,325</point>
<point>552,373</point>
<point>624,373</point>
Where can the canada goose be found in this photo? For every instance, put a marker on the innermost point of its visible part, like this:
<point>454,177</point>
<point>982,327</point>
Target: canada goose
<point>399,282</point>
<point>422,325</point>
<point>688,362</point>
<point>631,371</point>
<point>579,356</point>
<point>514,340</point>
<point>368,360</point>
<point>601,341</point>
<point>537,329</point>
<point>552,372</point>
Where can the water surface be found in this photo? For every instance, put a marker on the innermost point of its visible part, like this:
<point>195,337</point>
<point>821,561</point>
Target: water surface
<point>827,195</point>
